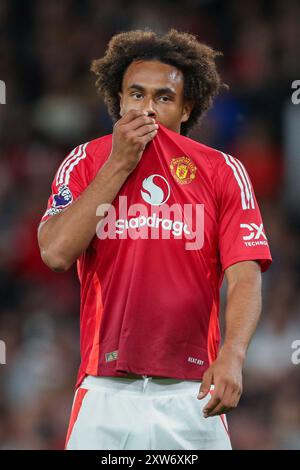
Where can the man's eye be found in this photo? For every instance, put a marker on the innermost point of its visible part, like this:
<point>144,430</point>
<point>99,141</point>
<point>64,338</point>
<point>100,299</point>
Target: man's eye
<point>137,95</point>
<point>164,98</point>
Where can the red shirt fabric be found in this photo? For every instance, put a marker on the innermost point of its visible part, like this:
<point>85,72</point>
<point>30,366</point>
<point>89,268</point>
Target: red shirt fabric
<point>150,278</point>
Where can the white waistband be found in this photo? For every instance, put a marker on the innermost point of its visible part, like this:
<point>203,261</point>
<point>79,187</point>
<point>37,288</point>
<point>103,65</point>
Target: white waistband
<point>132,385</point>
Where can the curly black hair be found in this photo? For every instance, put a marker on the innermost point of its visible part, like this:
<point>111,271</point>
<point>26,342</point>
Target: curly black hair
<point>196,60</point>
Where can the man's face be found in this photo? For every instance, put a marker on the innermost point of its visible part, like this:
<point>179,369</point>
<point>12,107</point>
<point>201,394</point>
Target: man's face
<point>158,89</point>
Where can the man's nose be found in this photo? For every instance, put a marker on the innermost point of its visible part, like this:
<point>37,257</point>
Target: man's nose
<point>149,109</point>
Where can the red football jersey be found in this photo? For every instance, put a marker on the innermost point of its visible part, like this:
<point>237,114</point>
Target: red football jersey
<point>151,276</point>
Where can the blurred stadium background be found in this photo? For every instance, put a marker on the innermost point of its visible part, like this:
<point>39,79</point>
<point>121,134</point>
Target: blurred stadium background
<point>46,47</point>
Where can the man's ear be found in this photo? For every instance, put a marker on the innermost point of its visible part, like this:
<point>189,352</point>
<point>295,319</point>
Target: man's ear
<point>121,103</point>
<point>186,112</point>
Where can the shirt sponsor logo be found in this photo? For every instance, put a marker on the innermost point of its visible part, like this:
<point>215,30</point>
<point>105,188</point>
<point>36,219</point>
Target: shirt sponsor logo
<point>156,219</point>
<point>195,360</point>
<point>154,194</point>
<point>176,227</point>
<point>183,170</point>
<point>255,236</point>
<point>111,356</point>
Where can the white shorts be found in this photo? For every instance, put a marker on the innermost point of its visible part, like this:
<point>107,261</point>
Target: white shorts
<point>157,414</point>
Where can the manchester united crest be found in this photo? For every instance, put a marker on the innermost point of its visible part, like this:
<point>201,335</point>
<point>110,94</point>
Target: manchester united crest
<point>183,170</point>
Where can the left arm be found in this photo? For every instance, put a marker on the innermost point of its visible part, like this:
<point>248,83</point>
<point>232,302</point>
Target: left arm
<point>243,310</point>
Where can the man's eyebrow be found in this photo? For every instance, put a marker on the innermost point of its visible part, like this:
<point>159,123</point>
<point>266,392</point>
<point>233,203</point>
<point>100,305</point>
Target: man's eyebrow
<point>163,90</point>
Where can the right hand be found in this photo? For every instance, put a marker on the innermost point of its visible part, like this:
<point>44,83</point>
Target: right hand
<point>131,134</point>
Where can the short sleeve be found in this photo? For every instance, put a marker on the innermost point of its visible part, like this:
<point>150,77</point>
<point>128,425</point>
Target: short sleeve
<point>241,232</point>
<point>69,181</point>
